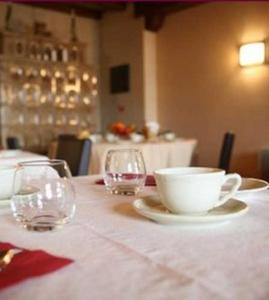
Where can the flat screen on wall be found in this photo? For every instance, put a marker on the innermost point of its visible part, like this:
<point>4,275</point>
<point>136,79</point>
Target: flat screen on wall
<point>120,79</point>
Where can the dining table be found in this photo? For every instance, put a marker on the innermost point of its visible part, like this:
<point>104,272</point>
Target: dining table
<point>13,157</point>
<point>158,154</point>
<point>119,254</point>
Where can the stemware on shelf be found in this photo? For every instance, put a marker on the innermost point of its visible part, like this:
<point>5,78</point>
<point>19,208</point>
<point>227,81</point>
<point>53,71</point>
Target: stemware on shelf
<point>45,74</point>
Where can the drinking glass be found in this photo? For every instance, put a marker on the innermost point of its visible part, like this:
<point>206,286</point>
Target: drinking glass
<point>125,171</point>
<point>43,195</point>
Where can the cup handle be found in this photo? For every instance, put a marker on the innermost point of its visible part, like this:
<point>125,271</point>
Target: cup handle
<point>233,190</point>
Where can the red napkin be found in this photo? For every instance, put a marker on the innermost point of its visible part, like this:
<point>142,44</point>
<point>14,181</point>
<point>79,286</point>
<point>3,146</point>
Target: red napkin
<point>29,263</point>
<point>150,181</point>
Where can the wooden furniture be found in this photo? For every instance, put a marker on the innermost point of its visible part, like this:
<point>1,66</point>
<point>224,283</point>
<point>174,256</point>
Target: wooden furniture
<point>13,143</point>
<point>226,151</point>
<point>264,163</point>
<point>75,152</point>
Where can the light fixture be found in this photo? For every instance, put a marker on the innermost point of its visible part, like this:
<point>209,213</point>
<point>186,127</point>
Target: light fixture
<point>252,54</point>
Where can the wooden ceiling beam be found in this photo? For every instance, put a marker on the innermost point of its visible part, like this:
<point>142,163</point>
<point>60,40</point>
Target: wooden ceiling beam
<point>103,7</point>
<point>66,8</point>
<point>93,10</point>
<point>155,13</point>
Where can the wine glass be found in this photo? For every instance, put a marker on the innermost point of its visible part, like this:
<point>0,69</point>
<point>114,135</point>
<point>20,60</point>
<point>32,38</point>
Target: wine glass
<point>43,195</point>
<point>125,171</point>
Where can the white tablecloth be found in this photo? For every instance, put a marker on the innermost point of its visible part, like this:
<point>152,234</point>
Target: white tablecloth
<point>157,155</point>
<point>121,255</point>
<point>12,157</point>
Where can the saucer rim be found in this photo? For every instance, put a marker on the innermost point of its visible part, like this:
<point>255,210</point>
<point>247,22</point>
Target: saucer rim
<point>258,189</point>
<point>181,219</point>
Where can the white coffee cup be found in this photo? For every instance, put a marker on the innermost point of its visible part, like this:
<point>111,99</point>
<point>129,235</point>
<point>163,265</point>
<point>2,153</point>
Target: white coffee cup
<point>6,181</point>
<point>194,190</point>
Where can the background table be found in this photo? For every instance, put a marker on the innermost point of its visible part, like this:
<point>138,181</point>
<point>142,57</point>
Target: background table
<point>121,255</point>
<point>157,155</point>
<point>12,157</point>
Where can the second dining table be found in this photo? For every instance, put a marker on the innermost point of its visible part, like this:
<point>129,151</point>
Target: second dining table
<point>157,155</point>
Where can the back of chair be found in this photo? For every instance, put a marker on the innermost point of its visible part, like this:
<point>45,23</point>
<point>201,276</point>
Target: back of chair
<point>75,152</point>
<point>226,151</point>
<point>13,143</point>
<point>264,163</point>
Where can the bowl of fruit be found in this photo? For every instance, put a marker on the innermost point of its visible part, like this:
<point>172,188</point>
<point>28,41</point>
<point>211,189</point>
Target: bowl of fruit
<point>122,130</point>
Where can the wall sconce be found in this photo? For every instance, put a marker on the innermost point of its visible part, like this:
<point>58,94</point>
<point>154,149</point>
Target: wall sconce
<point>252,54</point>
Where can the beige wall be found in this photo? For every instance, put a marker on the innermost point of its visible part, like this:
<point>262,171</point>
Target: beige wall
<point>150,76</point>
<point>202,91</point>
<point>121,43</point>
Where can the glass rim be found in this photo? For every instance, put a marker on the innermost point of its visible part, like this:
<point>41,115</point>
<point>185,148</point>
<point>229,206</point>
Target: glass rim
<point>47,162</point>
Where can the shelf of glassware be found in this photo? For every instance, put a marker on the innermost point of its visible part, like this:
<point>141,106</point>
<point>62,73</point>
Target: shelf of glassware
<point>40,48</point>
<point>36,127</point>
<point>37,106</point>
<point>23,70</point>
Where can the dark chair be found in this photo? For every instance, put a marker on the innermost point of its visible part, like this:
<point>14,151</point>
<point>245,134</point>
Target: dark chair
<point>75,152</point>
<point>226,151</point>
<point>13,143</point>
<point>264,163</point>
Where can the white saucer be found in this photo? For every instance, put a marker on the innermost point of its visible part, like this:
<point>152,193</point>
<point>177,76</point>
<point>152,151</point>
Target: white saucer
<point>248,185</point>
<point>150,207</point>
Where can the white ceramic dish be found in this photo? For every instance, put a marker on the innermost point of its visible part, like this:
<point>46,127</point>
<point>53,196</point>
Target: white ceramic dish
<point>6,202</point>
<point>6,181</point>
<point>150,207</point>
<point>194,190</point>
<point>5,207</point>
<point>137,138</point>
<point>9,153</point>
<point>111,138</point>
<point>170,136</point>
<point>248,185</point>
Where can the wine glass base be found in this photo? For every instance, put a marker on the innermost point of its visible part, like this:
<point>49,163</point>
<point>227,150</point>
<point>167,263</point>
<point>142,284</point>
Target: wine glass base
<point>127,190</point>
<point>45,223</point>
